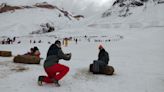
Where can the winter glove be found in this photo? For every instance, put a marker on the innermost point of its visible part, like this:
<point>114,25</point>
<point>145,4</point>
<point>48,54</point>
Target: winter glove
<point>69,54</point>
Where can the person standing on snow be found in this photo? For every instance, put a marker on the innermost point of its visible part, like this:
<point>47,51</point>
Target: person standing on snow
<point>54,70</point>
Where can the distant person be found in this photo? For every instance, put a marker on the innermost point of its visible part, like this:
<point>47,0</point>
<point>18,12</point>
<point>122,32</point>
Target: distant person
<point>30,41</point>
<point>39,41</point>
<point>14,39</point>
<point>54,70</point>
<point>19,42</point>
<point>49,42</point>
<point>3,41</point>
<point>76,40</point>
<point>34,41</point>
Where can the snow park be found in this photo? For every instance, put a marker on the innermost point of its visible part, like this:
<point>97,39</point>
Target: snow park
<point>82,45</point>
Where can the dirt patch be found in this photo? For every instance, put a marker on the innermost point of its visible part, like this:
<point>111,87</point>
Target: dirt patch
<point>19,68</point>
<point>78,17</point>
<point>45,5</point>
<point>5,7</point>
<point>8,68</point>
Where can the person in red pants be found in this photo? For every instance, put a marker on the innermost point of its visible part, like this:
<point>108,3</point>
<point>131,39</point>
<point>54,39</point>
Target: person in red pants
<point>54,70</point>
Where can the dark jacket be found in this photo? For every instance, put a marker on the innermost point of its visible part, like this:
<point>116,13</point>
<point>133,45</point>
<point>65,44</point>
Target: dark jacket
<point>103,56</point>
<point>54,54</point>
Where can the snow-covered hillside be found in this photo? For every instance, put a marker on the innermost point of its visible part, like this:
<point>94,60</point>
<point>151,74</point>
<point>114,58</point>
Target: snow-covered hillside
<point>25,21</point>
<point>134,43</point>
<point>29,20</point>
<point>127,13</point>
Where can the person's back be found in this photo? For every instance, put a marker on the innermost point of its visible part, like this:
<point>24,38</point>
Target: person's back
<point>52,56</point>
<point>103,56</point>
<point>53,50</point>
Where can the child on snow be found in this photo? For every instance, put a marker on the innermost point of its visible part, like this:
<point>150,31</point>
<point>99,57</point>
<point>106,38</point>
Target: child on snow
<point>34,52</point>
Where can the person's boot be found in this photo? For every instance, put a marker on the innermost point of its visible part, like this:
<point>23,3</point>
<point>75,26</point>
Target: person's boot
<point>40,80</point>
<point>56,82</point>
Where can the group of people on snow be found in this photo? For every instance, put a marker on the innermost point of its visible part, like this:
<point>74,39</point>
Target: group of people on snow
<point>56,71</point>
<point>8,40</point>
<point>34,52</point>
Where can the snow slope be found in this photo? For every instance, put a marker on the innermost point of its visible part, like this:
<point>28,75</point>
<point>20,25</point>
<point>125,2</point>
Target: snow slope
<point>137,59</point>
<point>136,53</point>
<point>17,21</point>
<point>148,15</point>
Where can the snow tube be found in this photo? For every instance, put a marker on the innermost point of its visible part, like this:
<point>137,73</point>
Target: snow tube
<point>5,53</point>
<point>26,59</point>
<point>108,70</point>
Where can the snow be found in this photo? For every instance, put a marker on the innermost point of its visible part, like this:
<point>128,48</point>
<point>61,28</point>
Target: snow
<point>136,53</point>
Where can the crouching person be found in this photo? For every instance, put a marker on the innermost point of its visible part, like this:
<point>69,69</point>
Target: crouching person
<point>54,70</point>
<point>103,59</point>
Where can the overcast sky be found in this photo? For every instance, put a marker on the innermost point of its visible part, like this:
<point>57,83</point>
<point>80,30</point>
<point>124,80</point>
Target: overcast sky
<point>98,2</point>
<point>71,5</point>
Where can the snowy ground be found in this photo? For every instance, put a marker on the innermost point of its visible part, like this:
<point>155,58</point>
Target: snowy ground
<point>137,58</point>
<point>135,49</point>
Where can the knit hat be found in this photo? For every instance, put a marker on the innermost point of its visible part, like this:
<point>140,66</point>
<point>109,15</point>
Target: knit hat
<point>57,42</point>
<point>100,47</point>
<point>36,48</point>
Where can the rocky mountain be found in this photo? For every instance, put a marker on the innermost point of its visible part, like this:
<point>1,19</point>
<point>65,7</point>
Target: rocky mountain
<point>124,8</point>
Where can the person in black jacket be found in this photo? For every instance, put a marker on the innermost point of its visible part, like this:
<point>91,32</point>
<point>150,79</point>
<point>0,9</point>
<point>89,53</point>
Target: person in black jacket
<point>103,55</point>
<point>103,59</point>
<point>54,70</point>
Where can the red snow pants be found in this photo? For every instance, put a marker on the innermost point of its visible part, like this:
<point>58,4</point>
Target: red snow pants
<point>57,71</point>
